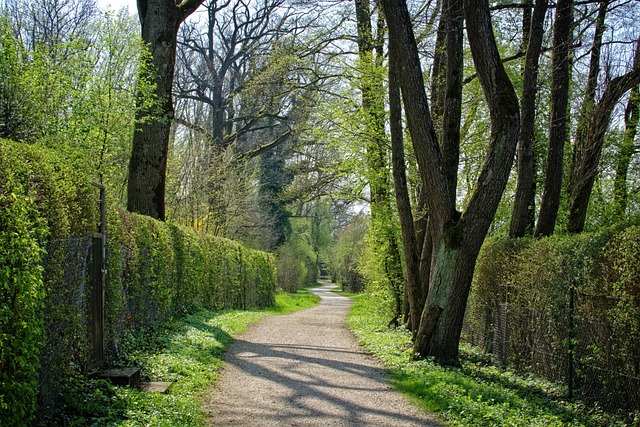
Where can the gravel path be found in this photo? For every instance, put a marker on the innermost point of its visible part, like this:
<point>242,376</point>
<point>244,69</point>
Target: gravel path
<point>306,369</point>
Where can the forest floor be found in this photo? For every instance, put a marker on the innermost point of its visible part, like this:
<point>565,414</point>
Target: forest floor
<point>306,369</point>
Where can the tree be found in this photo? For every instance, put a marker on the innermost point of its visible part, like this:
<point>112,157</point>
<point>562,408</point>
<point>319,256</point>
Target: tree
<point>274,178</point>
<point>523,213</point>
<point>626,151</point>
<point>83,105</point>
<point>457,237</point>
<point>589,145</point>
<point>244,85</point>
<point>411,243</point>
<point>160,20</point>
<point>14,101</point>
<point>52,23</point>
<point>383,236</point>
<point>558,126</point>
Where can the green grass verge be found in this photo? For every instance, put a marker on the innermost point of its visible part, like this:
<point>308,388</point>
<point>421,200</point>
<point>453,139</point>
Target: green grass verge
<point>474,394</point>
<point>186,351</point>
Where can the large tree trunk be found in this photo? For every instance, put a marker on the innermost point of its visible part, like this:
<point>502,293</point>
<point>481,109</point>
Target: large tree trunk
<point>438,72</point>
<point>441,322</point>
<point>456,239</point>
<point>626,152</point>
<point>550,202</point>
<point>160,20</point>
<point>414,295</point>
<point>523,213</point>
<point>452,113</point>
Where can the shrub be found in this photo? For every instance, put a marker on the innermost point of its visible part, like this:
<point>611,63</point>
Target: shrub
<point>565,307</point>
<point>22,234</point>
<point>155,270</point>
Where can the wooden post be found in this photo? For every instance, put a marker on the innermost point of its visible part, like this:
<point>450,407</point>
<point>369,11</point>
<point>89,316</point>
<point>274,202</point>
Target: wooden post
<point>572,338</point>
<point>98,272</point>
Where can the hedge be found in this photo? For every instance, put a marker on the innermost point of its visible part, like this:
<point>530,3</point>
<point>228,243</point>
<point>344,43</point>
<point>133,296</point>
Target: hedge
<point>155,270</point>
<point>22,233</point>
<point>565,307</point>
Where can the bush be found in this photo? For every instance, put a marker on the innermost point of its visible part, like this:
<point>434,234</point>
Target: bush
<point>158,270</point>
<point>155,270</point>
<point>22,234</point>
<point>537,305</point>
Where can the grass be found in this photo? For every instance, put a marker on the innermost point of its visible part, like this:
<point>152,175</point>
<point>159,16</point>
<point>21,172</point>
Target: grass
<point>287,302</point>
<point>474,394</point>
<point>185,351</point>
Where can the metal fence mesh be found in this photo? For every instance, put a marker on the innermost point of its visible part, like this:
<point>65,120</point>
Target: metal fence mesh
<point>573,342</point>
<point>66,277</point>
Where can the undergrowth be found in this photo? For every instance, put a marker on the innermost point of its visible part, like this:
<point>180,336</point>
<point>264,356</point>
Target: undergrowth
<point>186,351</point>
<point>474,394</point>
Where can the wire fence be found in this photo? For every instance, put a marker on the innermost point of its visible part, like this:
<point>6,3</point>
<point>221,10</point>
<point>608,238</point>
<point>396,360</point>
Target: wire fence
<point>576,341</point>
<point>67,277</point>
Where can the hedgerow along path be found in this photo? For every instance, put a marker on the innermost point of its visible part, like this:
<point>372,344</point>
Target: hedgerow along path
<point>306,369</point>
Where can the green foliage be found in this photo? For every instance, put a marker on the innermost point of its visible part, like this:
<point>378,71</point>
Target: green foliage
<point>347,254</point>
<point>473,394</point>
<point>14,106</point>
<point>22,236</point>
<point>274,177</point>
<point>162,269</point>
<point>62,206</point>
<point>186,351</point>
<point>529,284</point>
<point>298,259</point>
<point>291,266</point>
<point>155,270</point>
<point>77,97</point>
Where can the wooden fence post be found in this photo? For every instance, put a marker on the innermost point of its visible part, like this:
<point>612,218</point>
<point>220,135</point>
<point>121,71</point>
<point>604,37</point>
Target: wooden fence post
<point>98,272</point>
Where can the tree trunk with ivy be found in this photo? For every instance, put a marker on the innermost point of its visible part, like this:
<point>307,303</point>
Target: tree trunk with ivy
<point>384,237</point>
<point>160,20</point>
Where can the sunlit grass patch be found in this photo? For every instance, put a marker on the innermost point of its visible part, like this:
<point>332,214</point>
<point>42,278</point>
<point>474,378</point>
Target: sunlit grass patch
<point>287,302</point>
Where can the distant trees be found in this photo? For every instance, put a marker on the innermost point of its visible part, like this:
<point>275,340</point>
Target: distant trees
<point>52,23</point>
<point>240,92</point>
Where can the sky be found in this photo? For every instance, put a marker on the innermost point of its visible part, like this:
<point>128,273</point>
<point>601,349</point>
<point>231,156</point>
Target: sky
<point>117,4</point>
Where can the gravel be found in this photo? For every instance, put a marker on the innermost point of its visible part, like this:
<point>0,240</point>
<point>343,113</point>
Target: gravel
<point>306,369</point>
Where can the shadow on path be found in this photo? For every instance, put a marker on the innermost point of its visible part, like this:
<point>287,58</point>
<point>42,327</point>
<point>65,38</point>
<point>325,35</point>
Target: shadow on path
<point>306,369</point>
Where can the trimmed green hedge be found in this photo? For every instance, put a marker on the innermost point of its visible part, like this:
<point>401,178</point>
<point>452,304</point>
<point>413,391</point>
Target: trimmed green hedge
<point>44,198</point>
<point>155,270</point>
<point>22,233</point>
<point>534,303</point>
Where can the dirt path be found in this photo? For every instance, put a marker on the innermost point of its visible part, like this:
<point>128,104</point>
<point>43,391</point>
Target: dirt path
<point>306,369</point>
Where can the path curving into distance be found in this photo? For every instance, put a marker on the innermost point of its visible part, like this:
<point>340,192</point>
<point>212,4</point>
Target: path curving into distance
<point>306,369</point>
